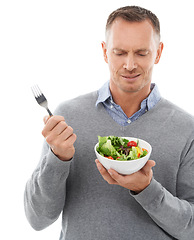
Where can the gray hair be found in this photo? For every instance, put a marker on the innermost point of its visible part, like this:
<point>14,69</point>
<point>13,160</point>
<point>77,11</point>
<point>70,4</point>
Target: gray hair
<point>134,14</point>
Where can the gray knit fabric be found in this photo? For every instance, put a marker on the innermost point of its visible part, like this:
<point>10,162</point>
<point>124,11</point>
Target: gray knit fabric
<point>94,210</point>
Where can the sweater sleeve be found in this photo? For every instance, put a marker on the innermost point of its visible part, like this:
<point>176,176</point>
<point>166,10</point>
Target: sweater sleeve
<point>174,214</point>
<point>45,192</point>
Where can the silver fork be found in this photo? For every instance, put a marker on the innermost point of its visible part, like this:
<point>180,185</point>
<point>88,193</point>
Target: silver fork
<point>40,98</point>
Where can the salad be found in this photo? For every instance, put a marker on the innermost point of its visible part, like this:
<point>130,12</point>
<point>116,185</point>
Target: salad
<point>120,149</point>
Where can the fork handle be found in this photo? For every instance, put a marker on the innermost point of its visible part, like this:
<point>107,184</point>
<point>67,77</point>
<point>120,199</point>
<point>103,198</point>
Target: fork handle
<point>49,112</point>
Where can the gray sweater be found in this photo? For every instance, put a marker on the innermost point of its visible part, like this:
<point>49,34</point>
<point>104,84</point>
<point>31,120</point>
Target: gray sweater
<point>94,210</point>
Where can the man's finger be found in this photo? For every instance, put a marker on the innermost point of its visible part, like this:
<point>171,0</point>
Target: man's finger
<point>45,119</point>
<point>115,175</point>
<point>51,122</point>
<point>148,166</point>
<point>107,177</point>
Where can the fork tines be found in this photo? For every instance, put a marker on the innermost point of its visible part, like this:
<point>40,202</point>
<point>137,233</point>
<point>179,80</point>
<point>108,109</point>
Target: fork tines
<point>36,91</point>
<point>40,98</point>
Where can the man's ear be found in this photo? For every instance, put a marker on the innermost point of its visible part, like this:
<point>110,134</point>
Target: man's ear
<point>159,52</point>
<point>104,49</point>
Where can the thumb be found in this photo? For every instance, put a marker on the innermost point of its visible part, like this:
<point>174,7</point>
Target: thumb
<point>45,119</point>
<point>148,166</point>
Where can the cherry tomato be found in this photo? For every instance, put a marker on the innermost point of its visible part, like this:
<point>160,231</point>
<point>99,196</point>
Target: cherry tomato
<point>132,144</point>
<point>110,157</point>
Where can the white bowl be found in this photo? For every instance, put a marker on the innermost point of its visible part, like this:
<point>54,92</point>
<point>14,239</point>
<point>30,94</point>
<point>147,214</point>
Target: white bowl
<point>126,167</point>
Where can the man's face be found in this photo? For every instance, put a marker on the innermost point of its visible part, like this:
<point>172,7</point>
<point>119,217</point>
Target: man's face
<point>131,50</point>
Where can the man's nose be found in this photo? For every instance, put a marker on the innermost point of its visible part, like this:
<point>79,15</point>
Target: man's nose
<point>130,63</point>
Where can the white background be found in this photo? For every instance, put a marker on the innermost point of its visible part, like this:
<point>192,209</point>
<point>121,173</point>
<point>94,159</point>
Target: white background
<point>57,44</point>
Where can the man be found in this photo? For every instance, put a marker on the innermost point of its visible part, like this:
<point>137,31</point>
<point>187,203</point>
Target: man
<point>157,202</point>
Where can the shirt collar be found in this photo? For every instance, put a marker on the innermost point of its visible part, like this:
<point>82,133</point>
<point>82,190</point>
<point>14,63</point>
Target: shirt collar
<point>104,93</point>
<point>153,97</point>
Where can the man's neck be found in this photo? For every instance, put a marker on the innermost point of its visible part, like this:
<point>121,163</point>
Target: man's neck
<point>130,102</point>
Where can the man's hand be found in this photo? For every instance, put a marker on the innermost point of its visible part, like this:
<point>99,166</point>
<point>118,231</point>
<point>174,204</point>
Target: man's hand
<point>59,136</point>
<point>136,182</point>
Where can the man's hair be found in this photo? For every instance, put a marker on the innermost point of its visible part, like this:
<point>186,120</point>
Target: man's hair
<point>134,14</point>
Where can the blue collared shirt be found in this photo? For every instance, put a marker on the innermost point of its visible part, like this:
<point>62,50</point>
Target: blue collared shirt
<point>116,112</point>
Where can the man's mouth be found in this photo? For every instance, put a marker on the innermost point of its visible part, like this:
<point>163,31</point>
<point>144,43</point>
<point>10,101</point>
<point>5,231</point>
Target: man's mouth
<point>131,76</point>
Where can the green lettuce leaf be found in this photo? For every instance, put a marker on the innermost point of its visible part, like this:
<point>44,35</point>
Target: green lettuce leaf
<point>106,148</point>
<point>133,153</point>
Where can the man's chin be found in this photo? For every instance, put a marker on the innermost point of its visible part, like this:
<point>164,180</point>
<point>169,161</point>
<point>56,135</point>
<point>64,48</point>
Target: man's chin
<point>134,87</point>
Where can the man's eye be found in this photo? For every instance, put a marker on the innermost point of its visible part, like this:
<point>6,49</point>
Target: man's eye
<point>119,53</point>
<point>142,55</point>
